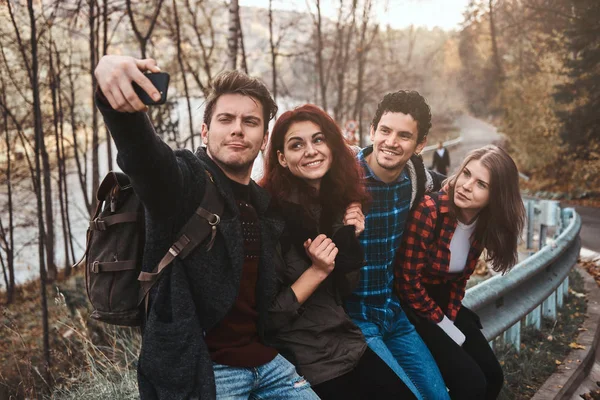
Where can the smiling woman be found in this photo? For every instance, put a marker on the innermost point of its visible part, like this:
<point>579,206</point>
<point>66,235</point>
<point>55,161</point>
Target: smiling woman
<point>306,153</point>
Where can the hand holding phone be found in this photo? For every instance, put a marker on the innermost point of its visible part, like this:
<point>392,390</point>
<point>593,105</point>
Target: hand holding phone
<point>160,80</point>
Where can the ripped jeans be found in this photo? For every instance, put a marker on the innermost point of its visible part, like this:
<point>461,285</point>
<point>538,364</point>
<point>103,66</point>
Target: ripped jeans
<point>276,380</point>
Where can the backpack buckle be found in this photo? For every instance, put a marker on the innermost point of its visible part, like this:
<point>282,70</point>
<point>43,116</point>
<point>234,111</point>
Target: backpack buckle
<point>98,225</point>
<point>95,267</point>
<point>179,245</point>
<point>214,221</point>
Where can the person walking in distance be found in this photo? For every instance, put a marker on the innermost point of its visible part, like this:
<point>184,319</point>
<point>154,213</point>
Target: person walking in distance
<point>441,159</point>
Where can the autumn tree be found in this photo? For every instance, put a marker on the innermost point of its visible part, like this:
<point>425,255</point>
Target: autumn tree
<point>581,129</point>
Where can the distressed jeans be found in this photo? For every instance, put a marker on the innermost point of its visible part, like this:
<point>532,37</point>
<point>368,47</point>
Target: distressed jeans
<point>400,346</point>
<point>276,380</point>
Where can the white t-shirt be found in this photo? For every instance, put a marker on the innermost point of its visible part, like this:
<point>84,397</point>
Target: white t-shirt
<point>460,246</point>
<point>441,151</point>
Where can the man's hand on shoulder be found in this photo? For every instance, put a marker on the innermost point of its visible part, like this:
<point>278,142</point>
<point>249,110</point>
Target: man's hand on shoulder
<point>115,74</point>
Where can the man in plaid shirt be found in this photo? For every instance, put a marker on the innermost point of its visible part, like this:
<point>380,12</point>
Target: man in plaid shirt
<point>396,179</point>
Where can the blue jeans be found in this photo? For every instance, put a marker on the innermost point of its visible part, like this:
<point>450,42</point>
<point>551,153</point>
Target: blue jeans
<point>276,379</point>
<point>400,346</point>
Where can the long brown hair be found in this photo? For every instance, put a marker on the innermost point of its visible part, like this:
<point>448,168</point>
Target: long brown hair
<point>500,223</point>
<point>343,182</point>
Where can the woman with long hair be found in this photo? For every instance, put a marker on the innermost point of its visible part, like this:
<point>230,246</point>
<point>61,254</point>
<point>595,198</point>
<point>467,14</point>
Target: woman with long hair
<point>315,180</point>
<point>443,239</point>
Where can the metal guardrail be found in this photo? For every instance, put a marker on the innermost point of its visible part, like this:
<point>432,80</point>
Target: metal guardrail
<point>534,287</point>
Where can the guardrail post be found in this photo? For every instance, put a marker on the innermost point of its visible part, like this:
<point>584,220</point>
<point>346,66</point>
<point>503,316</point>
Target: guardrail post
<point>530,216</point>
<point>543,230</point>
<point>559,296</point>
<point>567,214</point>
<point>534,318</point>
<point>549,306</point>
<point>565,286</point>
<point>561,222</point>
<point>513,336</point>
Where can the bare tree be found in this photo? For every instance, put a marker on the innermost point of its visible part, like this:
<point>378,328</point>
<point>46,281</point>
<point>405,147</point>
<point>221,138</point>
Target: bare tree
<point>8,237</point>
<point>93,43</point>
<point>318,23</point>
<point>54,77</point>
<point>233,39</point>
<point>273,52</point>
<point>40,149</point>
<point>496,55</point>
<point>177,34</point>
<point>206,49</point>
<point>364,45</point>
<point>241,44</point>
<point>38,130</point>
<point>143,38</point>
<point>105,43</point>
<point>344,34</point>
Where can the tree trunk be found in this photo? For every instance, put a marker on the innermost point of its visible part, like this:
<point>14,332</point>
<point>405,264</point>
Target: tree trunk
<point>95,139</point>
<point>9,237</point>
<point>182,68</point>
<point>361,60</point>
<point>320,68</point>
<point>345,34</point>
<point>242,47</point>
<point>273,53</point>
<point>39,150</point>
<point>495,53</point>
<point>109,154</point>
<point>56,118</point>
<point>143,39</point>
<point>206,53</point>
<point>81,166</point>
<point>233,38</point>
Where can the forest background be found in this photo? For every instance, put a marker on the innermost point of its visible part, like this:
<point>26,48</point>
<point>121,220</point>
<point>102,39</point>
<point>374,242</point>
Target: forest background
<point>532,67</point>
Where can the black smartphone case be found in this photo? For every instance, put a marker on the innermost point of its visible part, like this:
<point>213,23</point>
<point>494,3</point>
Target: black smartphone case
<point>160,80</point>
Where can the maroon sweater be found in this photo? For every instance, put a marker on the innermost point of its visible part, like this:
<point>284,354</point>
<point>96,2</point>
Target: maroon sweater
<point>234,341</point>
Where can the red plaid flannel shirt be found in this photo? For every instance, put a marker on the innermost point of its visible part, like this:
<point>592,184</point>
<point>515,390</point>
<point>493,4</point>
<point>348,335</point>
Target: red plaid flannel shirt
<point>420,261</point>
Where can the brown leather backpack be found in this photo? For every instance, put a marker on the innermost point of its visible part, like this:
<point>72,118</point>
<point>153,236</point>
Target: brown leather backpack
<point>116,286</point>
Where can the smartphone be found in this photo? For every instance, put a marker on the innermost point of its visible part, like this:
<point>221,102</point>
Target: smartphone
<point>160,80</point>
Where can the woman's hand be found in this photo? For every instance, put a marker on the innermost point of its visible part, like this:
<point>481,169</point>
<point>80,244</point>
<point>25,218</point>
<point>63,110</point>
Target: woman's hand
<point>354,216</point>
<point>322,252</point>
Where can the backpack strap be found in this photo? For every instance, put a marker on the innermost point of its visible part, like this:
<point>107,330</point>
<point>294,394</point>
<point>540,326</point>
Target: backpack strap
<point>203,222</point>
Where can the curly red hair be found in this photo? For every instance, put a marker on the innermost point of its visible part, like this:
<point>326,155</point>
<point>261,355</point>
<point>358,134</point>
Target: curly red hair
<point>341,185</point>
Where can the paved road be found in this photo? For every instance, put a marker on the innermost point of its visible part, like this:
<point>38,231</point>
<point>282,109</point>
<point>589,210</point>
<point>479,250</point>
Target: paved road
<point>590,227</point>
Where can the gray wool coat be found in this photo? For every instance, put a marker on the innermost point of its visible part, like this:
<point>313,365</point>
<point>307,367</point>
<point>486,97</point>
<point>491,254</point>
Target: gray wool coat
<point>196,293</point>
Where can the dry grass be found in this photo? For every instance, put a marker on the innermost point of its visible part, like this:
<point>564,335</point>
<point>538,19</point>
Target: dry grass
<point>88,360</point>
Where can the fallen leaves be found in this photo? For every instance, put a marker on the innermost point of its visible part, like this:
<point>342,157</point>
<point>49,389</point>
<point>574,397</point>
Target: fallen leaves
<point>576,346</point>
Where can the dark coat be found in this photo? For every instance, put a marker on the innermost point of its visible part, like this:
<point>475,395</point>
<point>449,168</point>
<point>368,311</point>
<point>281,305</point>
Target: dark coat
<point>441,163</point>
<point>317,336</point>
<point>194,294</point>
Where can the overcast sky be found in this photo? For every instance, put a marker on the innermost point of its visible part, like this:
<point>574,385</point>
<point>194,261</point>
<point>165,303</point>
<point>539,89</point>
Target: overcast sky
<point>446,14</point>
